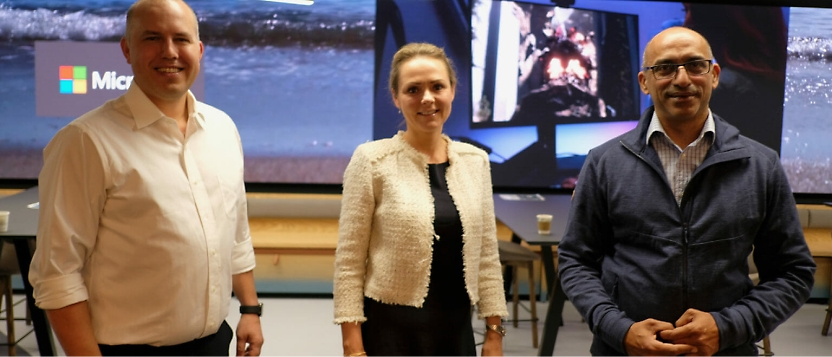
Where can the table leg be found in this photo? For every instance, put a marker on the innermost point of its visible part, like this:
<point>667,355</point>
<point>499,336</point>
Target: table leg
<point>43,333</point>
<point>825,329</point>
<point>554,312</point>
<point>508,272</point>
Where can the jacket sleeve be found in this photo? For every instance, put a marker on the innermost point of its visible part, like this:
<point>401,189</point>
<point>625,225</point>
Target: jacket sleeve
<point>785,266</point>
<point>354,229</point>
<point>580,254</point>
<point>492,295</point>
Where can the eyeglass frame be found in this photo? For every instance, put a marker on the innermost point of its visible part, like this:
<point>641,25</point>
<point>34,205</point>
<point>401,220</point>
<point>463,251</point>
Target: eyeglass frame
<point>676,68</point>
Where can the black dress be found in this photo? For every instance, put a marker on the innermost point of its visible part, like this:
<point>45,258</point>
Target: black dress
<point>443,325</point>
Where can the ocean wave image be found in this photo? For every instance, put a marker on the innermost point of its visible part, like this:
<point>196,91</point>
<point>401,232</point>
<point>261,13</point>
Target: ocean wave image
<point>297,80</point>
<point>806,150</point>
<point>221,23</point>
<point>812,49</point>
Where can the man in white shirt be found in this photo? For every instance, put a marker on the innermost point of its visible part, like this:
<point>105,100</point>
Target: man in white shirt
<point>143,230</point>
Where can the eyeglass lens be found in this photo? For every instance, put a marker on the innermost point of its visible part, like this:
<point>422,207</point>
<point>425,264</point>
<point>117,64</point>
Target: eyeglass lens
<point>696,68</point>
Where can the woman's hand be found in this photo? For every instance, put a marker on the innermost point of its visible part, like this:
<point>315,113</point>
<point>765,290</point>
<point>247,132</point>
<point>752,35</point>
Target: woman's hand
<point>493,345</point>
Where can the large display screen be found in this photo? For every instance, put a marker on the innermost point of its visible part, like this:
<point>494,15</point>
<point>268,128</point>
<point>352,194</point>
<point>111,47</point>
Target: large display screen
<point>545,66</point>
<point>297,80</point>
<point>307,84</point>
<point>806,150</point>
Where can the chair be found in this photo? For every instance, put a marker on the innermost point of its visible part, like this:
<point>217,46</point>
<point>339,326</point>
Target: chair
<point>755,278</point>
<point>9,267</point>
<point>825,329</point>
<point>515,255</point>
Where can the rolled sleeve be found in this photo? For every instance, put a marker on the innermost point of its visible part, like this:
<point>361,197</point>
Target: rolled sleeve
<point>242,258</point>
<point>60,292</point>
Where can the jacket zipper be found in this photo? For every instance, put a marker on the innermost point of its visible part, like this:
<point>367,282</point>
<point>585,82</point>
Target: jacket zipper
<point>685,226</point>
<point>685,233</point>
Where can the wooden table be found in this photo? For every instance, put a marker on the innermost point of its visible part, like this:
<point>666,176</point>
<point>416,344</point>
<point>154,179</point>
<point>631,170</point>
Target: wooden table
<point>519,213</point>
<point>23,229</point>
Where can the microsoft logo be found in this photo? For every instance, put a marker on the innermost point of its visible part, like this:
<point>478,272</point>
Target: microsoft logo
<point>73,79</point>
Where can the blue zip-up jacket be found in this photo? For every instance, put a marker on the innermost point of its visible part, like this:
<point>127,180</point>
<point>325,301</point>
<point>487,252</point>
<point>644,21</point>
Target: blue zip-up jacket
<point>630,252</point>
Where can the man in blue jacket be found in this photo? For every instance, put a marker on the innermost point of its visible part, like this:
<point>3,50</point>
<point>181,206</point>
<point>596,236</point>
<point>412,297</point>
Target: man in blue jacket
<point>665,216</point>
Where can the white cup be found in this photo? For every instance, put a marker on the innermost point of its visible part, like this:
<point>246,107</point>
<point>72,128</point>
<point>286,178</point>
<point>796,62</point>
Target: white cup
<point>4,221</point>
<point>544,224</point>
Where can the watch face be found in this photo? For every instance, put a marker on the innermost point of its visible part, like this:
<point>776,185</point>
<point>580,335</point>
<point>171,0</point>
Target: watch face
<point>498,329</point>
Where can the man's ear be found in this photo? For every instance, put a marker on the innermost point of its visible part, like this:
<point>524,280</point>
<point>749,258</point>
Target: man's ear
<point>715,72</point>
<point>642,82</point>
<point>125,49</point>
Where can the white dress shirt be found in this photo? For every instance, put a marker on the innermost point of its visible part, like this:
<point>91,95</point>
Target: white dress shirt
<point>144,223</point>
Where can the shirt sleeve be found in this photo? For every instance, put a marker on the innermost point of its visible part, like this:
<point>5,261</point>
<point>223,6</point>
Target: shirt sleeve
<point>72,192</point>
<point>242,257</point>
<point>354,229</point>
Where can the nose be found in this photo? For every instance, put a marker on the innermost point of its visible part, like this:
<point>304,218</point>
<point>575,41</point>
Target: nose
<point>427,98</point>
<point>682,77</point>
<point>168,49</point>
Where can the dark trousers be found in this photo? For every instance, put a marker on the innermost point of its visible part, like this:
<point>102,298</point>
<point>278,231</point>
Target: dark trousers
<point>213,345</point>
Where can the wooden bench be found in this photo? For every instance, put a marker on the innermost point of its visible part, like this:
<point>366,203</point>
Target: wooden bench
<point>274,235</point>
<point>306,236</point>
<point>818,232</point>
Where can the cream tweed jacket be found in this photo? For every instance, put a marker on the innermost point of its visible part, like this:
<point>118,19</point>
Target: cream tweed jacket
<point>385,233</point>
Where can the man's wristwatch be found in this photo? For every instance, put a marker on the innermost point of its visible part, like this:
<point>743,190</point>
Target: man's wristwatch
<point>257,309</point>
<point>497,328</point>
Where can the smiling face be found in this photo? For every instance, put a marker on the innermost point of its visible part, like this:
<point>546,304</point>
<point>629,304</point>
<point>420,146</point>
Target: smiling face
<point>163,48</point>
<point>683,98</point>
<point>424,94</point>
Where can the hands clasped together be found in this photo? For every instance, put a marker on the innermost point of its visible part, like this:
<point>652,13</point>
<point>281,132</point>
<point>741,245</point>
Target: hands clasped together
<point>695,334</point>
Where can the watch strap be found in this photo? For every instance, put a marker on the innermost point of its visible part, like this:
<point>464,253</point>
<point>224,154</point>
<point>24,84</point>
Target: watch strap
<point>497,328</point>
<point>256,309</point>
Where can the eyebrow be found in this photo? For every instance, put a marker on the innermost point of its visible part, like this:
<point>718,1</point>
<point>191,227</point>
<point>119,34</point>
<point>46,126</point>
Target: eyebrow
<point>440,81</point>
<point>669,61</point>
<point>157,33</point>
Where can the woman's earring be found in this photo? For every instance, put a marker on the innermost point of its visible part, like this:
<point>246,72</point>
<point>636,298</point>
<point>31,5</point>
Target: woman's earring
<point>400,111</point>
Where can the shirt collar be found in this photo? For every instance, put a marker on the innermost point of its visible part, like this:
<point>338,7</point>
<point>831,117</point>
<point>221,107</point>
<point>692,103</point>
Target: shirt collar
<point>656,127</point>
<point>146,113</point>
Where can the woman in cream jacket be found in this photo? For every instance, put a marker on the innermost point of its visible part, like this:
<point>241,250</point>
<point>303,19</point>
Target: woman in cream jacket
<point>417,236</point>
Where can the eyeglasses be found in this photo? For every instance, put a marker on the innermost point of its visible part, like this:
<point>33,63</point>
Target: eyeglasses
<point>669,70</point>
